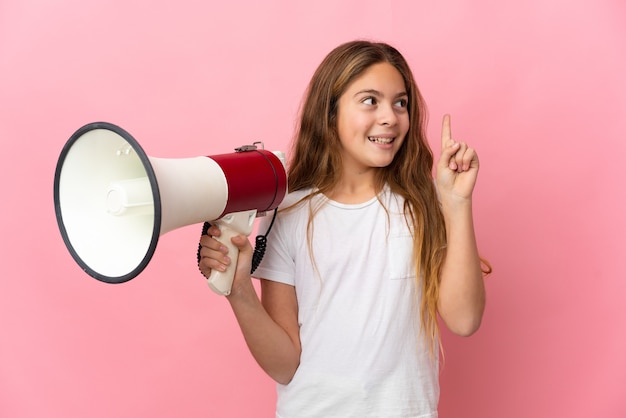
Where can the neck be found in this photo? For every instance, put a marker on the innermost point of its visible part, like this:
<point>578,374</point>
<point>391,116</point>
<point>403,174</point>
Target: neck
<point>355,188</point>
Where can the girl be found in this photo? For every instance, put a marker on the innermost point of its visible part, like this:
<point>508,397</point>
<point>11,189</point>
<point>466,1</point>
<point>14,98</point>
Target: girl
<point>366,250</point>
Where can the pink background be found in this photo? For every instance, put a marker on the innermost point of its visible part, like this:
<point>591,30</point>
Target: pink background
<point>538,87</point>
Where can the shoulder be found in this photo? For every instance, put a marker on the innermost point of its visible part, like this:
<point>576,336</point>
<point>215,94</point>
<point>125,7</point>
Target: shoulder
<point>290,212</point>
<point>293,198</point>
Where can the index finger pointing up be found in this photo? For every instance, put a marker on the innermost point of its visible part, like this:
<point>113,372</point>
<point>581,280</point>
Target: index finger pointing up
<point>446,133</point>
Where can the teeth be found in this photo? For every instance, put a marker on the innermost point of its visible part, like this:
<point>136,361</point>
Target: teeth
<point>380,140</point>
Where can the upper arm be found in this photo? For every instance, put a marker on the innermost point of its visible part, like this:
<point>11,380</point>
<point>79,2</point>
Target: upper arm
<point>281,303</point>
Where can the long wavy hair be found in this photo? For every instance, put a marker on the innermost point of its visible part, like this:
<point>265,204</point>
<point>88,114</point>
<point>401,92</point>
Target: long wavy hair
<point>316,159</point>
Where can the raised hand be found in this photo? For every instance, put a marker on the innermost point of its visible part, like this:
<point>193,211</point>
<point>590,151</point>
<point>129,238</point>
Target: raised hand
<point>457,168</point>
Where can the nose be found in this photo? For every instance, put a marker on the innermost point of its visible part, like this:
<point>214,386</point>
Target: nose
<point>387,116</point>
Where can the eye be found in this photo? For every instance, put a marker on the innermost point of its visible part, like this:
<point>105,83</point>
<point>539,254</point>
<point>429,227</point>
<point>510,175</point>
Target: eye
<point>402,102</point>
<point>369,101</point>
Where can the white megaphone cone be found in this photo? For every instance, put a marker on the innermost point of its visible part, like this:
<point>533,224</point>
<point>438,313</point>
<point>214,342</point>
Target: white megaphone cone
<point>113,202</point>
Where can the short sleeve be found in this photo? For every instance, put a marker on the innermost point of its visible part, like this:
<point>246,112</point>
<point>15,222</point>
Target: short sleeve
<point>278,262</point>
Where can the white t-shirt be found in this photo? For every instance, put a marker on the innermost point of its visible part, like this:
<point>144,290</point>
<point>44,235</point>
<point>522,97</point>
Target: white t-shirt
<point>358,308</point>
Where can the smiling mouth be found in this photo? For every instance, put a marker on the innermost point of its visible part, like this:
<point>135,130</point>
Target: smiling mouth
<point>380,140</point>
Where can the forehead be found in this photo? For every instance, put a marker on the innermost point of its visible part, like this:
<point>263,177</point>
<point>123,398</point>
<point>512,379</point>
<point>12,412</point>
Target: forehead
<point>382,77</point>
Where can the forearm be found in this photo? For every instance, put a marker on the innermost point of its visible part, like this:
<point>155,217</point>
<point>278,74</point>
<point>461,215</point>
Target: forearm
<point>270,345</point>
<point>461,292</point>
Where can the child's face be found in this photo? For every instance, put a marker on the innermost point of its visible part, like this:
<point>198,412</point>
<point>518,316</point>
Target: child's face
<point>373,118</point>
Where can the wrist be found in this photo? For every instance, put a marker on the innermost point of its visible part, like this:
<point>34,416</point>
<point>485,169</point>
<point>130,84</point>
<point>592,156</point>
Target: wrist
<point>454,204</point>
<point>242,291</point>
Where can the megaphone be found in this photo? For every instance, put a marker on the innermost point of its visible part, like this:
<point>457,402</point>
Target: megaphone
<point>113,202</point>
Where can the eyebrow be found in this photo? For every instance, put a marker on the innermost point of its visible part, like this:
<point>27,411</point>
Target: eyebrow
<point>379,94</point>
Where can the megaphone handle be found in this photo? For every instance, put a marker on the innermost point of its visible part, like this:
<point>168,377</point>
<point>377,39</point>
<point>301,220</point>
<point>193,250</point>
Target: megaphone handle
<point>221,282</point>
<point>230,225</point>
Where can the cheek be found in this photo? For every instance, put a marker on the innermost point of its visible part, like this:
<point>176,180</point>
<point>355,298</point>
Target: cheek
<point>351,127</point>
<point>404,130</point>
<point>405,122</point>
<point>404,126</point>
<point>342,133</point>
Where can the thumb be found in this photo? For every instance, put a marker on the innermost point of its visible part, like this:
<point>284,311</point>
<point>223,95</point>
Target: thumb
<point>244,261</point>
<point>242,243</point>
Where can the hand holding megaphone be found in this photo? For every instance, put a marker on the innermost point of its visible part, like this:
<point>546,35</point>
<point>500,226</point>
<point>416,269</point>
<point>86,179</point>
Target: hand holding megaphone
<point>113,202</point>
<point>239,223</point>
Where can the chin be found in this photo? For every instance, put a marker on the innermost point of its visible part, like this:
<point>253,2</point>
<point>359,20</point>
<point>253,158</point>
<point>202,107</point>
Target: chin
<point>382,164</point>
